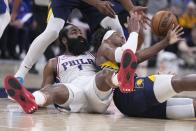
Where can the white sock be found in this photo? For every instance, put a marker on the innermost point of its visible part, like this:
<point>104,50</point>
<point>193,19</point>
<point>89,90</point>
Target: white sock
<point>40,44</point>
<point>112,23</point>
<point>115,79</point>
<point>40,98</point>
<point>4,20</point>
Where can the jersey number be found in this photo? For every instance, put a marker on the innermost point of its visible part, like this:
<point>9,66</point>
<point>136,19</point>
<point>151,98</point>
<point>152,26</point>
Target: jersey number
<point>80,67</point>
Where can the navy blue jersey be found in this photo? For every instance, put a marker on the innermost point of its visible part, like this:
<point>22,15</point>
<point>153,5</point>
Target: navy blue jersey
<point>141,102</point>
<point>2,7</point>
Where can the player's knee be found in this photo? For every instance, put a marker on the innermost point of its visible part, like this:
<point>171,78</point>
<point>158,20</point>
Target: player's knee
<point>61,94</point>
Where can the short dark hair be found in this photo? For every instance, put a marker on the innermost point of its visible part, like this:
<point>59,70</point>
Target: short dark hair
<point>97,38</point>
<point>63,32</point>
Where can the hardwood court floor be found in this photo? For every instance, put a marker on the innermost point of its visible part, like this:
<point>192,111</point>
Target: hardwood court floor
<point>49,119</point>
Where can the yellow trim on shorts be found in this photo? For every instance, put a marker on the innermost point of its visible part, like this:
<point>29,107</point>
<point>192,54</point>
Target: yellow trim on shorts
<point>152,77</point>
<point>49,12</point>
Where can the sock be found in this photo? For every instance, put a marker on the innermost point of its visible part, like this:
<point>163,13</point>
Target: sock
<point>40,98</point>
<point>4,20</point>
<point>40,44</point>
<point>112,23</point>
<point>115,79</point>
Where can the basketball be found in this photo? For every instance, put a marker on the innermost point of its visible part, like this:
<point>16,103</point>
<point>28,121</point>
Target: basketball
<point>162,21</point>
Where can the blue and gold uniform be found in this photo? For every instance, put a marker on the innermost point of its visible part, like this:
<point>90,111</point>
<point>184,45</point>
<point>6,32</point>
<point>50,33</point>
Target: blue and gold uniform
<point>63,8</point>
<point>142,101</point>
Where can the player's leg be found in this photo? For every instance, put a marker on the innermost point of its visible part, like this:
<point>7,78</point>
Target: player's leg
<point>4,16</point>
<point>95,19</point>
<point>166,86</point>
<point>99,91</point>
<point>112,23</point>
<point>54,94</point>
<point>180,108</point>
<point>50,34</point>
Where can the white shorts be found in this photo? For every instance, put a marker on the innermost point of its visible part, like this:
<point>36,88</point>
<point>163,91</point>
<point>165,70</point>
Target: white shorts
<point>85,98</point>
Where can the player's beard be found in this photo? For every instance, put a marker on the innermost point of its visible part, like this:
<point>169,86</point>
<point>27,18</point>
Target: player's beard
<point>78,46</point>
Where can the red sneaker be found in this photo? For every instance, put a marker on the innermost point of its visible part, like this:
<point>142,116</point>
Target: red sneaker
<point>127,71</point>
<point>20,94</point>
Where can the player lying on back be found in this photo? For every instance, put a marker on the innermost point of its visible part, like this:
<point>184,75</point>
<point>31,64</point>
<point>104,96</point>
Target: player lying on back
<point>152,95</point>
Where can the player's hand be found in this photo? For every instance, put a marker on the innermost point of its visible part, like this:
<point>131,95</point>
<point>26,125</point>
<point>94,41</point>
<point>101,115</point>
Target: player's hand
<point>105,7</point>
<point>133,23</point>
<point>140,10</point>
<point>174,34</point>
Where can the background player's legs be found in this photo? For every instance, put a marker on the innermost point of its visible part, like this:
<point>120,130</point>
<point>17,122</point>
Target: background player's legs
<point>54,94</point>
<point>4,18</point>
<point>40,44</point>
<point>112,23</point>
<point>180,108</point>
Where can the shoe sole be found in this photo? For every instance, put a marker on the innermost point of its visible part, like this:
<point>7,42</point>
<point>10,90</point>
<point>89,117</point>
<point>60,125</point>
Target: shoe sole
<point>19,94</point>
<point>129,65</point>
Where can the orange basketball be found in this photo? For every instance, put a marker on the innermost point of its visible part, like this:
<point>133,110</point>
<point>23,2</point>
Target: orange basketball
<point>162,21</point>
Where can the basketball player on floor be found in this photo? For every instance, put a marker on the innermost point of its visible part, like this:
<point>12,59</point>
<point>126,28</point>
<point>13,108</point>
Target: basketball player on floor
<point>54,95</point>
<point>60,10</point>
<point>5,14</point>
<point>80,88</point>
<point>152,95</point>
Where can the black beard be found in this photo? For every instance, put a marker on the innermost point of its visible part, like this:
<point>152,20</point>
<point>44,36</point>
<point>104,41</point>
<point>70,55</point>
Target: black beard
<point>78,46</point>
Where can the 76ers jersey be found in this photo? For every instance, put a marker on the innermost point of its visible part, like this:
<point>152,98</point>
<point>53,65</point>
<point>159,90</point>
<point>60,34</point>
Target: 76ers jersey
<point>70,67</point>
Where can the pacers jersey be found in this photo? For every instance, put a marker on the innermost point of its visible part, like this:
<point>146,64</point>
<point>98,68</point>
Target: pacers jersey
<point>70,67</point>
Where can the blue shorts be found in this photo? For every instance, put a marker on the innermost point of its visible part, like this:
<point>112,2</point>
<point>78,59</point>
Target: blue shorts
<point>2,7</point>
<point>63,8</point>
<point>141,102</point>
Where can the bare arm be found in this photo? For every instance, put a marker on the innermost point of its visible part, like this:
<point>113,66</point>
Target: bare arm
<point>147,53</point>
<point>173,36</point>
<point>49,73</point>
<point>15,9</point>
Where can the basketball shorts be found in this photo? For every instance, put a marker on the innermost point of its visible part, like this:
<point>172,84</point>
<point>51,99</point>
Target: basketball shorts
<point>85,97</point>
<point>63,8</point>
<point>142,101</point>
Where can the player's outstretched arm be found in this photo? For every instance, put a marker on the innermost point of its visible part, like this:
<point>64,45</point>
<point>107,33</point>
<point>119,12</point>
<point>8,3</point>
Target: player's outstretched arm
<point>172,37</point>
<point>49,73</point>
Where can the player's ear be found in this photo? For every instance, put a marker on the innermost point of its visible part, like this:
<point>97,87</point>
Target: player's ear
<point>64,40</point>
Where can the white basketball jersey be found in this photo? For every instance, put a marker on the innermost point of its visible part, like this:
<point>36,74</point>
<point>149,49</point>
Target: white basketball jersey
<point>71,67</point>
